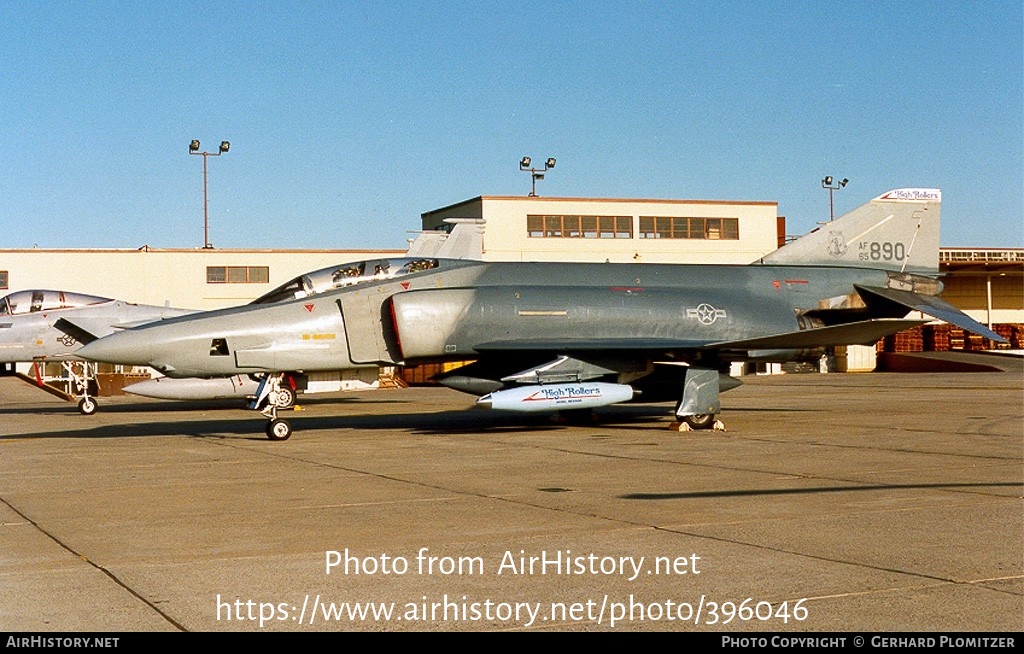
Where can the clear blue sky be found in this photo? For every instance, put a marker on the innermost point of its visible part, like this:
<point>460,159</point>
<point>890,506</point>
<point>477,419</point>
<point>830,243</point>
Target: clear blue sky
<point>347,120</point>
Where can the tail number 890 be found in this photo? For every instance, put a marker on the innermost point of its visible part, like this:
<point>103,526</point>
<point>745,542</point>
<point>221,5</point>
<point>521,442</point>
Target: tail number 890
<point>882,251</point>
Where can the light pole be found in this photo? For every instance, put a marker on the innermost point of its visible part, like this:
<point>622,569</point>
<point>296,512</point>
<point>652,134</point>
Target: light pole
<point>535,173</point>
<point>827,183</point>
<point>193,148</point>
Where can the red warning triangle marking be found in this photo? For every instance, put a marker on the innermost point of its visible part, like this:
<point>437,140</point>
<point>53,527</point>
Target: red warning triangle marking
<point>309,307</point>
<point>405,285</point>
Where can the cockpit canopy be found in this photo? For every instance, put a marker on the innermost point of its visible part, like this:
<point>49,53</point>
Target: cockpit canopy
<point>346,274</point>
<point>23,302</point>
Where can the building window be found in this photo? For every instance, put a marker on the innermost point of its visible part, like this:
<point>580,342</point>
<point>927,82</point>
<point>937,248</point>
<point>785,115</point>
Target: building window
<point>3,279</point>
<point>713,229</point>
<point>579,226</point>
<point>237,274</point>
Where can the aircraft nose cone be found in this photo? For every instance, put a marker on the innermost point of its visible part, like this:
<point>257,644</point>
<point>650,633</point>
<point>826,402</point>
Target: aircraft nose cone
<point>124,348</point>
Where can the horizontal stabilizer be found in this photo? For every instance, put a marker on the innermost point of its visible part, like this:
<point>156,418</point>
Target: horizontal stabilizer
<point>931,305</point>
<point>856,333</point>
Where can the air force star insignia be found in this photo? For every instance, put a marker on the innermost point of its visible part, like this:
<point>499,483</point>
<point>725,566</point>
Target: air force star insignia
<point>706,314</point>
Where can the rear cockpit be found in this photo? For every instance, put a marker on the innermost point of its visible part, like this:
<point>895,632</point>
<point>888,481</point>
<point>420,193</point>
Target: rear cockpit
<point>22,302</point>
<point>346,274</point>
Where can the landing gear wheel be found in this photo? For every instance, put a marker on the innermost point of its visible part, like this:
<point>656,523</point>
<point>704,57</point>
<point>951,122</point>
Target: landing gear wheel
<point>700,420</point>
<point>278,429</point>
<point>87,406</point>
<point>285,397</point>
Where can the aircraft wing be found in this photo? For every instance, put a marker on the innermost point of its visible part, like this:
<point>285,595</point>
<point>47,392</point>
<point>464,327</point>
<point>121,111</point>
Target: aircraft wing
<point>588,345</point>
<point>85,330</point>
<point>864,332</point>
<point>858,333</point>
<point>929,304</point>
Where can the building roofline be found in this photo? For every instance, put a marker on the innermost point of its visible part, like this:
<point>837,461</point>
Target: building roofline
<point>522,198</point>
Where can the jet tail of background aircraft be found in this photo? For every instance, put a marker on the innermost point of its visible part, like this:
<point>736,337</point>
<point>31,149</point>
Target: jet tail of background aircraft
<point>464,240</point>
<point>897,231</point>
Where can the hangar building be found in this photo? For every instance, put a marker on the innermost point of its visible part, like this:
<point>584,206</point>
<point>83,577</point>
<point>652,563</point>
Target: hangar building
<point>618,230</point>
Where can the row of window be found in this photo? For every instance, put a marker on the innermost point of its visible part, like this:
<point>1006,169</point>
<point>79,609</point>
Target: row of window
<point>580,226</point>
<point>238,274</point>
<point>713,229</point>
<point>214,275</point>
<point>622,227</point>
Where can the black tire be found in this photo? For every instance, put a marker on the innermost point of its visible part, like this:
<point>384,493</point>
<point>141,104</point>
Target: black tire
<point>700,420</point>
<point>87,406</point>
<point>285,397</point>
<point>279,430</point>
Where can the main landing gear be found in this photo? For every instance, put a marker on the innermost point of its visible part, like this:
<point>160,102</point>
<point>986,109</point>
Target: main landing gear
<point>699,404</point>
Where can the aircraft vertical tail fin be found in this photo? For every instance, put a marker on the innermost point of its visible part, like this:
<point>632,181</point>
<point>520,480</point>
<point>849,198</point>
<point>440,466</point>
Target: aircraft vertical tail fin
<point>898,231</point>
<point>465,240</point>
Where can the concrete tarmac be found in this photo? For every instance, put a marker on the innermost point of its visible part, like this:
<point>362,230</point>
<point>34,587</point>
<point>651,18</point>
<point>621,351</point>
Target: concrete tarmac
<point>878,502</point>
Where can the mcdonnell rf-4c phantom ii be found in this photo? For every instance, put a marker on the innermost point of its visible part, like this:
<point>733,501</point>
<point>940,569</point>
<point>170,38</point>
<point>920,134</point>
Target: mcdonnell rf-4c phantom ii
<point>564,336</point>
<point>45,325</point>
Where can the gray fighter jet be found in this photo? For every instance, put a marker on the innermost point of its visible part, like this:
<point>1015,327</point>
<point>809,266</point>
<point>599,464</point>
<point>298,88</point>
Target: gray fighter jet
<point>566,336</point>
<point>45,325</point>
<point>463,240</point>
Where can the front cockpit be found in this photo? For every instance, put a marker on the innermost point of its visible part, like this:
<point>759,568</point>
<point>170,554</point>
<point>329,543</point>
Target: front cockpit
<point>346,274</point>
<point>22,302</point>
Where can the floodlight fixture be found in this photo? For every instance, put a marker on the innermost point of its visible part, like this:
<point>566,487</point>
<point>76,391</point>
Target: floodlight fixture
<point>193,148</point>
<point>832,188</point>
<point>535,173</point>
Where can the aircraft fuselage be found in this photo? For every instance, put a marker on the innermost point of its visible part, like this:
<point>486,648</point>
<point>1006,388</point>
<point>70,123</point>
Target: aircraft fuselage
<point>463,309</point>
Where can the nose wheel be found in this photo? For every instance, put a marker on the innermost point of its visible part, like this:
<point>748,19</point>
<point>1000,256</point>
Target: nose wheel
<point>79,382</point>
<point>273,396</point>
<point>87,406</point>
<point>278,429</point>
